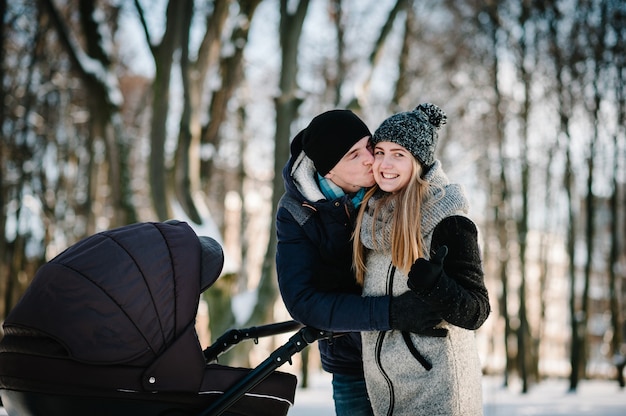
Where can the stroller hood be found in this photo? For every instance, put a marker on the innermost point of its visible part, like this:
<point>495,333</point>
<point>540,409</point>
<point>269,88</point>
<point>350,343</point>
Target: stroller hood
<point>117,297</point>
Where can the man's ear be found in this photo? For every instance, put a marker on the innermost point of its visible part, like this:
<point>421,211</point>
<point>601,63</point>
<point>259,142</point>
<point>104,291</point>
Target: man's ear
<point>329,175</point>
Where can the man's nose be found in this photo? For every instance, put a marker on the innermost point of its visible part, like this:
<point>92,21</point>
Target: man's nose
<point>369,159</point>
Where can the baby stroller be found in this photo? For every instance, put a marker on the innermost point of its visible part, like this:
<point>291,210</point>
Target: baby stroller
<point>108,328</point>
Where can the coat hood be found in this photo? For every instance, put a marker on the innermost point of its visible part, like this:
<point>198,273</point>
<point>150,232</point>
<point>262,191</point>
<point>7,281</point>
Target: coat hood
<point>119,296</point>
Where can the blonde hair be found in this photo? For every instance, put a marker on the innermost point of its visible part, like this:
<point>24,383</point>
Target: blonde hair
<point>406,236</point>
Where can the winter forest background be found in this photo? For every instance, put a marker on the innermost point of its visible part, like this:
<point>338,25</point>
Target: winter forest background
<point>115,112</point>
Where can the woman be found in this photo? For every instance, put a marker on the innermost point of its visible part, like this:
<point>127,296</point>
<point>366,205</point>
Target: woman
<point>413,213</point>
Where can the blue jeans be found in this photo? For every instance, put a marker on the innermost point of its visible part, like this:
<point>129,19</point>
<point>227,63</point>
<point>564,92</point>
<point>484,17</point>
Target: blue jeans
<point>350,396</point>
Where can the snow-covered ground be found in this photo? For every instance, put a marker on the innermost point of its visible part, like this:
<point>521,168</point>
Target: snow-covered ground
<point>550,398</point>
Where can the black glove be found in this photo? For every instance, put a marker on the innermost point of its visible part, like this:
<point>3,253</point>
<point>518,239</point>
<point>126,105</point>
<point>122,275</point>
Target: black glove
<point>410,313</point>
<point>424,273</point>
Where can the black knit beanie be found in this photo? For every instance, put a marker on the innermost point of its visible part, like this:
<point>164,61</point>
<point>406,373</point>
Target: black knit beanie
<point>330,135</point>
<point>414,130</point>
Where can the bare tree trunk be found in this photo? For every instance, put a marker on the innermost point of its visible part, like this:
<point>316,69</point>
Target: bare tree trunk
<point>337,82</point>
<point>184,184</point>
<point>231,73</point>
<point>500,192</point>
<point>16,262</point>
<point>404,82</point>
<point>13,256</point>
<point>104,107</point>
<point>614,284</point>
<point>617,206</point>
<point>4,275</point>
<point>287,105</point>
<point>571,250</point>
<point>187,174</point>
<point>524,333</point>
<point>545,243</point>
<point>589,244</point>
<point>106,120</point>
<point>565,108</point>
<point>377,50</point>
<point>163,55</point>
<point>597,45</point>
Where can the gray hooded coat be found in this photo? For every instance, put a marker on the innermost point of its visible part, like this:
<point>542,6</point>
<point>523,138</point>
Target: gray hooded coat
<point>412,374</point>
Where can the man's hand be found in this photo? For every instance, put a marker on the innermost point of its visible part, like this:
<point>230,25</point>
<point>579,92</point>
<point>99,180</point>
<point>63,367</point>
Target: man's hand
<point>410,313</point>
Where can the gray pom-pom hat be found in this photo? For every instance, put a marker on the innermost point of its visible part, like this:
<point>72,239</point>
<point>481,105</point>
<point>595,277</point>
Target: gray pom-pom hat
<point>414,130</point>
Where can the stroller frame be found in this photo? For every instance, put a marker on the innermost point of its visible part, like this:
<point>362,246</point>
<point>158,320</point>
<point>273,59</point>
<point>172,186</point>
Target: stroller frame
<point>301,339</point>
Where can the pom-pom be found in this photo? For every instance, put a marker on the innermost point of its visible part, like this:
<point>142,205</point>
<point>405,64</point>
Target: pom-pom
<point>435,115</point>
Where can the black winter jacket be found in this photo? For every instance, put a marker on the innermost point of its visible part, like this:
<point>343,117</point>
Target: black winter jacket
<point>314,266</point>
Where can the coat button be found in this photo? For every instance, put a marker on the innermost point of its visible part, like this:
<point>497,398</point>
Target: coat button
<point>337,203</point>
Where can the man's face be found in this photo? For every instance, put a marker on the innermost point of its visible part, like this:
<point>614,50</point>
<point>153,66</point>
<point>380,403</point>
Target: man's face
<point>354,170</point>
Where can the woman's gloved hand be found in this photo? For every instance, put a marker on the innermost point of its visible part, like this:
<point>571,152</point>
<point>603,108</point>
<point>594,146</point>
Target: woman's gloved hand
<point>425,273</point>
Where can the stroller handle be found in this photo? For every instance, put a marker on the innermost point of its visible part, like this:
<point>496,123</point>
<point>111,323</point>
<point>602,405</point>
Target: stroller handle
<point>306,335</point>
<point>234,336</point>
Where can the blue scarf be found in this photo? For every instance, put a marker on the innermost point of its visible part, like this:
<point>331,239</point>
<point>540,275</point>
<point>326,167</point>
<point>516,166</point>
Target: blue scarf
<point>332,191</point>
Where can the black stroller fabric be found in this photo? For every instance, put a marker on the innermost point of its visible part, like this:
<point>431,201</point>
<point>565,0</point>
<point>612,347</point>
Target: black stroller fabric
<point>112,318</point>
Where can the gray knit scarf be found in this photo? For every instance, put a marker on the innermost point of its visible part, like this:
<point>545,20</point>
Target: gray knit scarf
<point>442,200</point>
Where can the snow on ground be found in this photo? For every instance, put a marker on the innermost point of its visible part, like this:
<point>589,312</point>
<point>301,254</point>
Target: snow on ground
<point>549,398</point>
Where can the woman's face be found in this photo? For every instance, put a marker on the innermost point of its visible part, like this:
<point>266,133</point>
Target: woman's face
<point>393,166</point>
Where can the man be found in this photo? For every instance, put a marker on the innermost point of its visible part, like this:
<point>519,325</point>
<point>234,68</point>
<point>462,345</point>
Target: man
<point>325,180</point>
